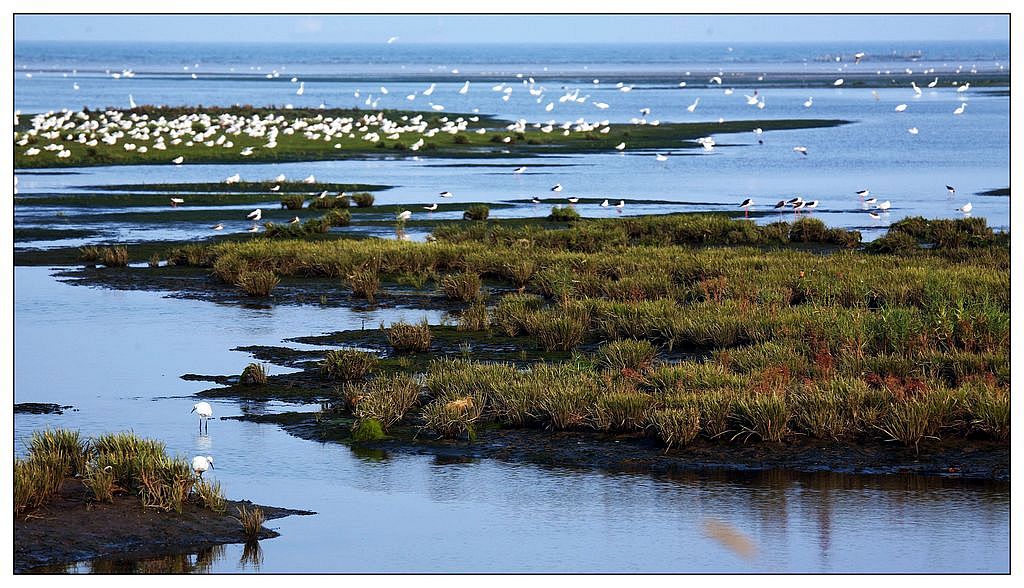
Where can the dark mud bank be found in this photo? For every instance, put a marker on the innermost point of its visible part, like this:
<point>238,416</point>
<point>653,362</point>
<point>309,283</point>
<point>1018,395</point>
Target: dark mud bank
<point>73,529</point>
<point>977,460</point>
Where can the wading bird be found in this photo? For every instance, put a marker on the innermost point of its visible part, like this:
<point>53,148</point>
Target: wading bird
<point>446,194</point>
<point>620,205</point>
<point>604,204</point>
<point>801,150</point>
<point>556,188</point>
<point>960,109</point>
<point>901,107</point>
<point>519,169</point>
<point>863,193</point>
<point>811,204</point>
<point>574,199</point>
<point>535,200</point>
<point>201,463</point>
<point>660,157</point>
<point>884,205</point>
<point>176,201</point>
<point>809,102</point>
<point>950,189</point>
<point>874,215</point>
<point>178,160</point>
<point>780,204</point>
<point>431,208</point>
<point>255,215</point>
<point>218,227</point>
<point>934,82</point>
<point>870,201</point>
<point>294,221</point>
<point>404,215</point>
<point>965,209</point>
<point>620,146</point>
<point>745,205</point>
<point>204,411</point>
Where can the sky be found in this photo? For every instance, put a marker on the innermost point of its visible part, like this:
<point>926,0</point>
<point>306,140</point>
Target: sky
<point>510,28</point>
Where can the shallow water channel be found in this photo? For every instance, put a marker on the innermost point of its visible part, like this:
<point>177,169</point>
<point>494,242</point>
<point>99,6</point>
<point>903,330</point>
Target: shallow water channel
<point>116,356</point>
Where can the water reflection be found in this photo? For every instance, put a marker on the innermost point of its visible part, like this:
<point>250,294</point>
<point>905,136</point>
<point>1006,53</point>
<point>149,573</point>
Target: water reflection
<point>252,556</point>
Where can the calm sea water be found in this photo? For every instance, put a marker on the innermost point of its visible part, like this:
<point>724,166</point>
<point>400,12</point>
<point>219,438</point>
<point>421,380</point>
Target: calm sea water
<point>397,513</point>
<point>876,151</point>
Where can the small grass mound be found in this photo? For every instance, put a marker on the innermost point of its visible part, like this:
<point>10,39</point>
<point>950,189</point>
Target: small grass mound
<point>563,214</point>
<point>253,375</point>
<point>477,212</point>
<point>464,287</point>
<point>347,364</point>
<point>293,201</point>
<point>408,338</point>
<point>259,283</point>
<point>363,199</point>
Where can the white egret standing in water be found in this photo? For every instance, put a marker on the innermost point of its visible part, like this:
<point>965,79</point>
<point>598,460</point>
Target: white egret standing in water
<point>204,411</point>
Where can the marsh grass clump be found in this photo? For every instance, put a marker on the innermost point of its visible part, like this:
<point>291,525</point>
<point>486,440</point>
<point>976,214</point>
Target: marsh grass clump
<point>90,254</point>
<point>339,201</point>
<point>102,482</point>
<point>763,415</point>
<point>385,399</point>
<point>210,495</point>
<point>166,483</point>
<point>514,312</point>
<point>559,329</point>
<point>251,520</point>
<point>293,201</point>
<point>477,212</point>
<point>259,283</point>
<point>474,318</point>
<point>463,287</point>
<point>114,256</point>
<point>254,374</point>
<point>347,364</point>
<point>365,281</point>
<point>408,338</point>
<point>363,199</point>
<point>677,426</point>
<point>154,260</point>
<point>60,446</point>
<point>367,430</point>
<point>621,409</point>
<point>627,354</point>
<point>563,214</point>
<point>36,482</point>
<point>453,417</point>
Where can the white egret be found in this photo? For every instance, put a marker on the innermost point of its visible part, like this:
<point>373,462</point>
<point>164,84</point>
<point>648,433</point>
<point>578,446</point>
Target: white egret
<point>233,179</point>
<point>404,215</point>
<point>620,146</point>
<point>301,90</point>
<point>934,82</point>
<point>838,82</point>
<point>604,204</point>
<point>901,107</point>
<point>131,101</point>
<point>693,107</point>
<point>201,463</point>
<point>917,91</point>
<point>255,215</point>
<point>204,411</point>
<point>464,88</point>
<point>809,102</point>
<point>963,88</point>
<point>960,109</point>
<point>885,205</point>
<point>913,130</point>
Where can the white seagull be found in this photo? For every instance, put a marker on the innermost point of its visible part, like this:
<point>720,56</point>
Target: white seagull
<point>178,160</point>
<point>604,204</point>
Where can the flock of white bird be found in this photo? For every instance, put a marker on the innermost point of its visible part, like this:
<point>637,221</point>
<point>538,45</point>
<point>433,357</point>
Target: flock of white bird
<point>141,133</point>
